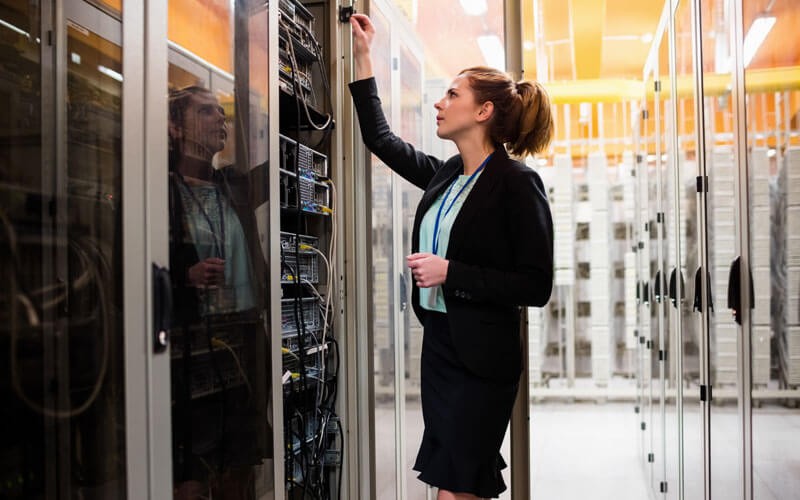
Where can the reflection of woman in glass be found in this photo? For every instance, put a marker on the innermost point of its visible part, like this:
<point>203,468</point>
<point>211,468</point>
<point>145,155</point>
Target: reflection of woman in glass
<point>483,243</point>
<point>221,271</point>
<point>219,422</point>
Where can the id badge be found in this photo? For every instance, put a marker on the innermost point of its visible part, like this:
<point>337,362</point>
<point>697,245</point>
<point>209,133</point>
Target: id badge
<point>433,296</point>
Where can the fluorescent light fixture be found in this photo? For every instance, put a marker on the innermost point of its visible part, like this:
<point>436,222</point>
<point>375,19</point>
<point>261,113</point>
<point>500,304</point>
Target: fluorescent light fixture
<point>756,35</point>
<point>15,29</point>
<point>110,73</point>
<point>474,7</point>
<point>647,38</point>
<point>76,58</point>
<point>542,162</point>
<point>651,158</point>
<point>771,153</point>
<point>493,51</point>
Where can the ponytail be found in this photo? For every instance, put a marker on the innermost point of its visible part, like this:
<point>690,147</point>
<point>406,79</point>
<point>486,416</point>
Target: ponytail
<point>534,128</point>
<point>522,119</point>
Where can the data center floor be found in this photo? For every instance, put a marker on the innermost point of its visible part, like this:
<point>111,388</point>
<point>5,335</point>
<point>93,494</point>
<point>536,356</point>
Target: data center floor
<point>587,450</point>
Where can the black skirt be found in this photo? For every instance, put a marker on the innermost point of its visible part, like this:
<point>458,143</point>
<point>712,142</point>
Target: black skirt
<point>465,418</point>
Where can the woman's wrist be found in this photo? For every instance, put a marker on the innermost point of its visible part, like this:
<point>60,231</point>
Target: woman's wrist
<point>364,67</point>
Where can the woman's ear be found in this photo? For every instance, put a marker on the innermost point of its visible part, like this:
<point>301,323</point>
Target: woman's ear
<point>486,111</point>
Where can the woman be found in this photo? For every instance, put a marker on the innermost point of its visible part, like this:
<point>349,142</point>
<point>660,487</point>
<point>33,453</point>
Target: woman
<point>483,243</point>
<point>217,433</point>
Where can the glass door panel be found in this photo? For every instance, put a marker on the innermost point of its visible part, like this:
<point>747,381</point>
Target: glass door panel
<point>384,283</point>
<point>774,204</point>
<point>222,442</point>
<point>723,238</point>
<point>649,293</point>
<point>689,237</point>
<point>411,117</point>
<point>62,310</point>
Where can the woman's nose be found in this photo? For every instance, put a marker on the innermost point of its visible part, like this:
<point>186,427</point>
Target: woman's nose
<point>438,105</point>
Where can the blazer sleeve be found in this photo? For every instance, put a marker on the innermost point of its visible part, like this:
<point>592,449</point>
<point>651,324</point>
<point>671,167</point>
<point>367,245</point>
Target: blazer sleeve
<point>530,280</point>
<point>414,166</point>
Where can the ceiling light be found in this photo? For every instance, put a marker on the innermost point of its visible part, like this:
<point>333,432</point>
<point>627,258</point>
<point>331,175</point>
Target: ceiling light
<point>771,153</point>
<point>755,36</point>
<point>493,52</point>
<point>542,162</point>
<point>110,73</point>
<point>22,32</point>
<point>647,38</point>
<point>474,7</point>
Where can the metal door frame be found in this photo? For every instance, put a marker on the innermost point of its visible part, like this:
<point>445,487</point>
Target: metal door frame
<point>145,239</point>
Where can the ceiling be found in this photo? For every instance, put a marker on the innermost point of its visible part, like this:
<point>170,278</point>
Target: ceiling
<point>611,38</point>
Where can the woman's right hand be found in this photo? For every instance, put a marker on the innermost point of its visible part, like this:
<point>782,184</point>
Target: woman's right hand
<point>363,33</point>
<point>209,272</point>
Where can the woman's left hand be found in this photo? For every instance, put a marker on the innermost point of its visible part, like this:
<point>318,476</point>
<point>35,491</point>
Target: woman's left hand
<point>428,269</point>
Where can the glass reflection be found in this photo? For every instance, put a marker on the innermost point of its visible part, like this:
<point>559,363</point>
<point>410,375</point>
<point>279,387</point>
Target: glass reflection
<point>774,168</point>
<point>383,281</point>
<point>61,310</point>
<point>411,116</point>
<point>723,238</point>
<point>690,378</point>
<point>220,363</point>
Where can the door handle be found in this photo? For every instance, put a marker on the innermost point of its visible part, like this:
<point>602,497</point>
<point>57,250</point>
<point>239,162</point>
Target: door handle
<point>698,287</point>
<point>735,290</point>
<point>403,293</point>
<point>657,288</point>
<point>673,292</point>
<point>162,308</point>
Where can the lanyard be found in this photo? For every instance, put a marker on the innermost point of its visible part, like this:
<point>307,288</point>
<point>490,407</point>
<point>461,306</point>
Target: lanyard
<point>439,216</point>
<point>220,242</point>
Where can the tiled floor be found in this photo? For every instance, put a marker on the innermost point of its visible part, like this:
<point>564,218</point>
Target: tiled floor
<point>586,451</point>
<point>594,451</point>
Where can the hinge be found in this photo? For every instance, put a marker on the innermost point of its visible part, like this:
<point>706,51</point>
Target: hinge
<point>636,409</point>
<point>649,345</point>
<point>660,217</point>
<point>702,183</point>
<point>705,393</point>
<point>641,340</point>
<point>657,85</point>
<point>651,458</point>
<point>645,114</point>
<point>663,486</point>
<point>50,37</point>
<point>662,356</point>
<point>647,226</point>
<point>644,426</point>
<point>639,158</point>
<point>641,245</point>
<point>636,333</point>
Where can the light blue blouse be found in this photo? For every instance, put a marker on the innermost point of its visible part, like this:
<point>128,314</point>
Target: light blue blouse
<point>225,234</point>
<point>432,298</point>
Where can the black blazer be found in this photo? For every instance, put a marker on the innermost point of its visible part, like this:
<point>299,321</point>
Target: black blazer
<point>501,244</point>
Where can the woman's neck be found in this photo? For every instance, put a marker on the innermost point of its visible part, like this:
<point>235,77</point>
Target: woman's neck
<point>196,168</point>
<point>473,153</point>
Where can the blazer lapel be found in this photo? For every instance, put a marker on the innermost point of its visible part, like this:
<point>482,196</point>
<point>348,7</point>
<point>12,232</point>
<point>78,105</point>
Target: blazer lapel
<point>476,197</point>
<point>437,187</point>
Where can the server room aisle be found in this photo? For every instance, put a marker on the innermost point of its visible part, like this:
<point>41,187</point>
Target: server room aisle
<point>585,451</point>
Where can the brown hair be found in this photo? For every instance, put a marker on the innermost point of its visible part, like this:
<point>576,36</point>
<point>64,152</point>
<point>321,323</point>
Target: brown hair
<point>521,118</point>
<point>179,101</point>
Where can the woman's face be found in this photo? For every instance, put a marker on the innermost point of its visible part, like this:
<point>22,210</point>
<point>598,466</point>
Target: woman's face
<point>204,128</point>
<point>457,111</point>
